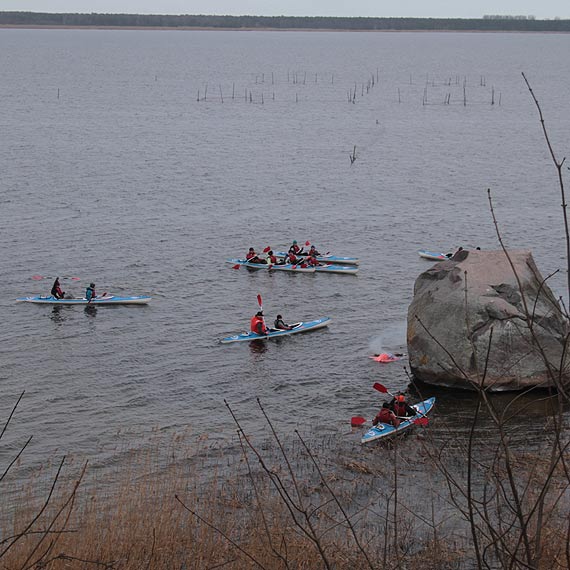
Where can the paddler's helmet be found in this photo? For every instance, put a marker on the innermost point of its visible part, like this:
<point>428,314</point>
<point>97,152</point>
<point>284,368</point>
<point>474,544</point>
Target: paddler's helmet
<point>294,242</point>
<point>259,314</point>
<point>91,284</point>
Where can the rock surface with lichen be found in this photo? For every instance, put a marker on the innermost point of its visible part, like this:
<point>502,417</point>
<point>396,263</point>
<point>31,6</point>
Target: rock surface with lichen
<point>475,319</point>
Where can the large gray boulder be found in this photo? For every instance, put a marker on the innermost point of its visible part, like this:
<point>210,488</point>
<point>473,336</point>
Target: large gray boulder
<point>467,324</point>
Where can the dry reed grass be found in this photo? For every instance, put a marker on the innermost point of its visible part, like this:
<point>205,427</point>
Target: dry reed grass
<point>167,507</point>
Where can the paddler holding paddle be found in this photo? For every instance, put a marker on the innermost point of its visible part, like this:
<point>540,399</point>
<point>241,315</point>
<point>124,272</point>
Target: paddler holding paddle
<point>258,324</point>
<point>386,416</point>
<point>401,408</point>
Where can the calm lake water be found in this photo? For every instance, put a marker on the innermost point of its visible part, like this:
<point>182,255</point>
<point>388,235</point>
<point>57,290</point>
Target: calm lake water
<point>114,172</point>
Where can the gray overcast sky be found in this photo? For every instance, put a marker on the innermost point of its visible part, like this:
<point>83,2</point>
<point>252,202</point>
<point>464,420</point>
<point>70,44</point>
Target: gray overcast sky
<point>373,8</point>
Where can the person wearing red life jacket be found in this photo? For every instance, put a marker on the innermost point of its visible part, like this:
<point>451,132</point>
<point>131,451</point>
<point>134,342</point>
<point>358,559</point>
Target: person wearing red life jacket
<point>401,408</point>
<point>252,257</point>
<point>295,248</point>
<point>312,261</point>
<point>386,416</point>
<point>56,289</point>
<point>313,251</point>
<point>292,258</point>
<point>271,259</point>
<point>258,324</point>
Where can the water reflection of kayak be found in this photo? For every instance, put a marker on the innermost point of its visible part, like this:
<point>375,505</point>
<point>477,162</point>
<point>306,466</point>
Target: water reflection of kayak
<point>274,333</point>
<point>387,430</point>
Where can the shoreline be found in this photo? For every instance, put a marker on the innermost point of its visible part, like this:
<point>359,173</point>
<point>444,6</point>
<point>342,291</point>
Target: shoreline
<point>261,29</point>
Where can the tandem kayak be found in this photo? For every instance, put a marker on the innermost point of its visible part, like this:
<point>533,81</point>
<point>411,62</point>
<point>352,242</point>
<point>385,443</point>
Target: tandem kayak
<point>432,256</point>
<point>327,258</point>
<point>386,430</point>
<point>274,333</point>
<point>286,267</point>
<point>106,300</point>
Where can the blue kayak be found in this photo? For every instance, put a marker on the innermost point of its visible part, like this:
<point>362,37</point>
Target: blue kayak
<point>333,268</point>
<point>432,256</point>
<point>103,300</point>
<point>327,258</point>
<point>386,430</point>
<point>275,333</point>
<point>277,267</point>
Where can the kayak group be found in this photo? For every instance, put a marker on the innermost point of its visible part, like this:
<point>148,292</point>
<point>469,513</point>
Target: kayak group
<point>294,256</point>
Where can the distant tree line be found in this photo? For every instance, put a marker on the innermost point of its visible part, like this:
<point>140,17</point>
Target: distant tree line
<point>507,17</point>
<point>487,23</point>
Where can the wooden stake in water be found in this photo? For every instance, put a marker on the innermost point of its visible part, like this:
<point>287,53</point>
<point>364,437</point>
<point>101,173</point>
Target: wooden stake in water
<point>221,95</point>
<point>352,156</point>
<point>58,92</point>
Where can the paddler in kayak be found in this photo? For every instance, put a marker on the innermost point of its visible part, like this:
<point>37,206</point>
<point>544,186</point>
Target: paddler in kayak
<point>313,251</point>
<point>252,257</point>
<point>296,249</point>
<point>281,325</point>
<point>312,261</point>
<point>401,408</point>
<point>386,416</point>
<point>90,292</point>
<point>258,324</point>
<point>271,259</point>
<point>56,290</point>
<point>294,260</point>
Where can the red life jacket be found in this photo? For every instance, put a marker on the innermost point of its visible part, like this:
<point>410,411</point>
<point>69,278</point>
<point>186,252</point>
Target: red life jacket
<point>296,248</point>
<point>385,416</point>
<point>272,259</point>
<point>250,254</point>
<point>255,320</point>
<point>292,257</point>
<point>400,409</point>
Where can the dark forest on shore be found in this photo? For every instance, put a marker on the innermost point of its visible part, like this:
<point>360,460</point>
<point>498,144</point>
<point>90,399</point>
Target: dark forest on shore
<point>485,24</point>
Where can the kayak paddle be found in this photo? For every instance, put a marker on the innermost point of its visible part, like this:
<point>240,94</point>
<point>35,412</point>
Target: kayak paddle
<point>383,389</point>
<point>357,421</point>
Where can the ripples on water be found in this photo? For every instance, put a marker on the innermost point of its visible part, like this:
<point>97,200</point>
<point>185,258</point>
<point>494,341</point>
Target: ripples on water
<point>127,180</point>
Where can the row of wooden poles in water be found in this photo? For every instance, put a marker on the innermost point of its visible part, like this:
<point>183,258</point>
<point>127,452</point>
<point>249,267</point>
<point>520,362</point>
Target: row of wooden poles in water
<point>365,88</point>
